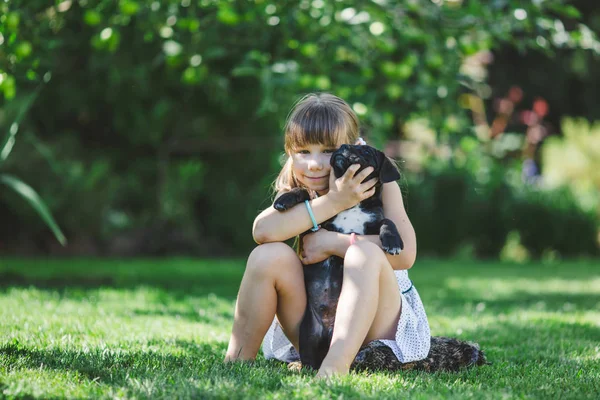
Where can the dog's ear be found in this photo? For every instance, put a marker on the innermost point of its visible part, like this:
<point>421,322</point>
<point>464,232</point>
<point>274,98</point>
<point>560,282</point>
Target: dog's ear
<point>388,171</point>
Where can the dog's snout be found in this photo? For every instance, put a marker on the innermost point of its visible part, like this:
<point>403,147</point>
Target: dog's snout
<point>339,162</point>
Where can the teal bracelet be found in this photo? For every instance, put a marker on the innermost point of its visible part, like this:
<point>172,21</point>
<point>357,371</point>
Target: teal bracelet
<point>312,216</point>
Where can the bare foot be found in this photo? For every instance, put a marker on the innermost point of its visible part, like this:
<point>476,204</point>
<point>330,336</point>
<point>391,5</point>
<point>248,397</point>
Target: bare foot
<point>327,372</point>
<point>295,366</point>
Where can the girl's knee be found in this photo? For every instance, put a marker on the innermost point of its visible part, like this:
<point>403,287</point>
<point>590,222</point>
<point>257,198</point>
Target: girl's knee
<point>365,253</point>
<point>268,258</point>
<point>365,248</point>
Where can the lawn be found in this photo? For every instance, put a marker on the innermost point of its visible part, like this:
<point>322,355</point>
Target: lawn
<point>159,329</point>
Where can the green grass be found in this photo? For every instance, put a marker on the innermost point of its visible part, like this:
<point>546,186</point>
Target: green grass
<point>159,329</point>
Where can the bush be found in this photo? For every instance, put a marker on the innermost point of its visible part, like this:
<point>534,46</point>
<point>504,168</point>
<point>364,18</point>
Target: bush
<point>553,220</point>
<point>451,209</point>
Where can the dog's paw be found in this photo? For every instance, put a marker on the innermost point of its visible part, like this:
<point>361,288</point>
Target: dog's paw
<point>279,206</point>
<point>290,199</point>
<point>392,250</point>
<point>285,202</point>
<point>392,244</point>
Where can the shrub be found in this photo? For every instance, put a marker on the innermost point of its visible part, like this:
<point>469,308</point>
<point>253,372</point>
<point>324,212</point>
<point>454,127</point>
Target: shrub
<point>451,209</point>
<point>554,220</point>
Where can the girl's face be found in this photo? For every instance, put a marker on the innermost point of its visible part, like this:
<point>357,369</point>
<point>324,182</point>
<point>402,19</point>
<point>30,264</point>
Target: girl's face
<point>310,165</point>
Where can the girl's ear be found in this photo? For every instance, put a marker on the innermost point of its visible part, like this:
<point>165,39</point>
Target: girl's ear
<point>388,171</point>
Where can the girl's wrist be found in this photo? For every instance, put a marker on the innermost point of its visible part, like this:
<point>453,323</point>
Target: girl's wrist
<point>343,242</point>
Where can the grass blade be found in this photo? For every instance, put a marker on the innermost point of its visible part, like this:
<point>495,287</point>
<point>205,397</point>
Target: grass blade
<point>36,202</point>
<point>24,107</point>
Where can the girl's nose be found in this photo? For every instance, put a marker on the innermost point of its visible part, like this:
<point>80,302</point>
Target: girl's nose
<point>315,164</point>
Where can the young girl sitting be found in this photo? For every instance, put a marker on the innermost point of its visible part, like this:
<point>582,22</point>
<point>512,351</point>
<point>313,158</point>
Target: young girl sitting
<point>377,301</point>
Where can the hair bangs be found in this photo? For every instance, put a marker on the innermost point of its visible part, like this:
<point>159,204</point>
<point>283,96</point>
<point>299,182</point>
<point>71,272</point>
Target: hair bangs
<point>315,124</point>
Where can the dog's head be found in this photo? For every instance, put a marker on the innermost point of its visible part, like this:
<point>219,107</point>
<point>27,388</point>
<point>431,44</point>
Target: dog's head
<point>366,156</point>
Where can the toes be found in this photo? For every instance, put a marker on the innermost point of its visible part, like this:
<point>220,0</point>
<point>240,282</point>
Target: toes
<point>279,207</point>
<point>393,250</point>
<point>295,366</point>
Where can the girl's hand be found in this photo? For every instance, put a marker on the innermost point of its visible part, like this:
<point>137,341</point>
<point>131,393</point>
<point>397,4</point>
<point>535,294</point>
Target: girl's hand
<point>318,246</point>
<point>347,190</point>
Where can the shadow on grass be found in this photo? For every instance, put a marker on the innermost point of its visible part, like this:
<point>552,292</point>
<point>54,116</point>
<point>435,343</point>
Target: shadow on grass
<point>176,285</point>
<point>15,279</point>
<point>195,370</point>
<point>113,366</point>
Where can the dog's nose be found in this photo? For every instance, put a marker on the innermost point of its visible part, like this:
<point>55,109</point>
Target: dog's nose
<point>339,162</point>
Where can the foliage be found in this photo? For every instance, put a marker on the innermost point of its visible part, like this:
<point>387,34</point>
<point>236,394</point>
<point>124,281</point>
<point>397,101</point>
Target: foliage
<point>455,206</point>
<point>571,74</point>
<point>159,329</point>
<point>573,160</point>
<point>25,191</point>
<point>153,112</point>
<point>554,220</point>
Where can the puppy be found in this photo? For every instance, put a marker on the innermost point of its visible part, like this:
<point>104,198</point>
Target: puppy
<point>323,281</point>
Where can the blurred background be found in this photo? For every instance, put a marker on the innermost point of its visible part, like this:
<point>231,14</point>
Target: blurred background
<point>154,128</point>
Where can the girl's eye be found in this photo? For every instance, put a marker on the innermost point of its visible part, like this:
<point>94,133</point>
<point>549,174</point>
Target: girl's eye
<point>329,151</point>
<point>303,152</point>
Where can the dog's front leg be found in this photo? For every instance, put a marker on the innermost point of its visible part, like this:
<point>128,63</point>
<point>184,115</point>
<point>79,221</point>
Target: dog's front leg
<point>391,242</point>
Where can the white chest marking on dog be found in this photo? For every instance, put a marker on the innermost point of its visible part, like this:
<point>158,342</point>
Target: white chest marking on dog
<point>352,220</point>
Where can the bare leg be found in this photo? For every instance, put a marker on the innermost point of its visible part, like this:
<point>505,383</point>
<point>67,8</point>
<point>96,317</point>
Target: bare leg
<point>368,309</point>
<point>273,283</point>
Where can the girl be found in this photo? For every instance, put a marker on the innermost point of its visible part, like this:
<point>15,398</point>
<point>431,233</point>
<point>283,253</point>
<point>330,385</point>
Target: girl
<point>377,301</point>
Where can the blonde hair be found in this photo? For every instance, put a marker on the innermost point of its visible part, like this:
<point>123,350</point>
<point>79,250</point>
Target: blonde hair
<point>317,118</point>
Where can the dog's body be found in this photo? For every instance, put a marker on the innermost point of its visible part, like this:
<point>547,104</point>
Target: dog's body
<point>323,281</point>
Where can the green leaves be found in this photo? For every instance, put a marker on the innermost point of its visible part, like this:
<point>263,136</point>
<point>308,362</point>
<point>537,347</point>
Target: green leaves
<point>36,202</point>
<point>16,184</point>
<point>92,17</point>
<point>8,143</point>
<point>129,7</point>
<point>23,107</point>
<point>133,79</point>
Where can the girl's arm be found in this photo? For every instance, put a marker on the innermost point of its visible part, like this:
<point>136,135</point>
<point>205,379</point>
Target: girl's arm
<point>344,192</point>
<point>393,208</point>
<point>275,226</point>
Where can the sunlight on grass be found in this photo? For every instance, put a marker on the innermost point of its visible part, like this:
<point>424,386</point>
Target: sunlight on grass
<point>148,329</point>
<point>492,289</point>
<point>70,319</point>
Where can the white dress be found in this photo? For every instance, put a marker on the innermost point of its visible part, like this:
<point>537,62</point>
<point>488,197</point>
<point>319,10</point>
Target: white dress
<point>412,335</point>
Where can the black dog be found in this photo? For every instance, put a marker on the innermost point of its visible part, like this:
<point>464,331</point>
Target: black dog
<point>323,280</point>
